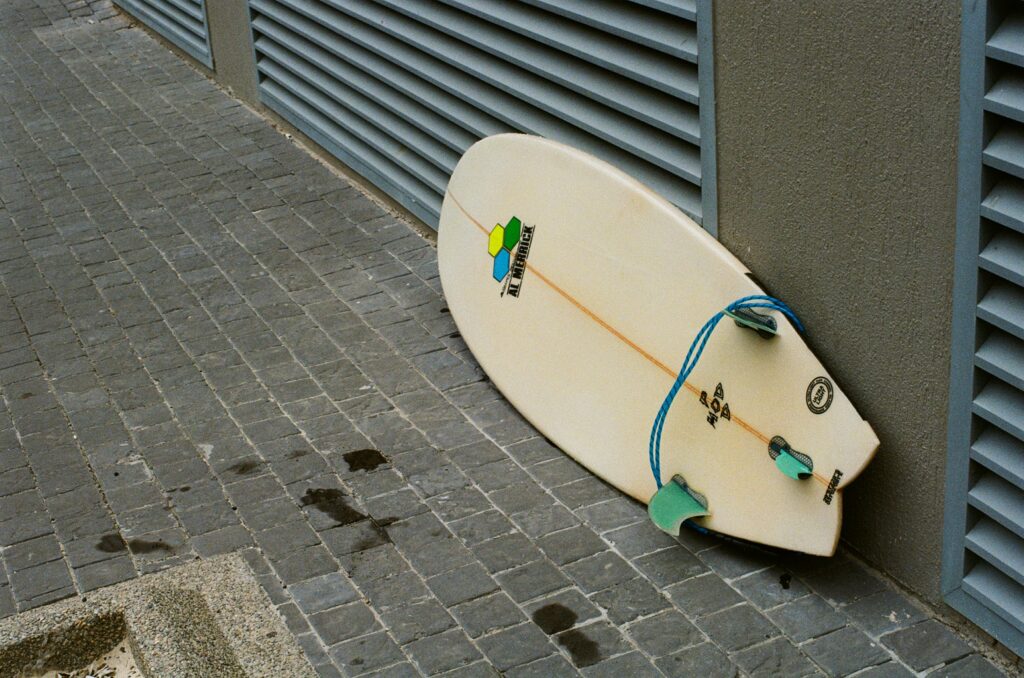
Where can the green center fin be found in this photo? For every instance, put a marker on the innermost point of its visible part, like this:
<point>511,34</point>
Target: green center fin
<point>762,324</point>
<point>791,466</point>
<point>675,503</point>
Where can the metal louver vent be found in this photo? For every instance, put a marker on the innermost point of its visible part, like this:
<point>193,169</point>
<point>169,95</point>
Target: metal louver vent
<point>983,574</point>
<point>183,22</point>
<point>399,89</point>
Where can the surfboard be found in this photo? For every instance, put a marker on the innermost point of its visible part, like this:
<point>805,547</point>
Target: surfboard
<point>579,291</point>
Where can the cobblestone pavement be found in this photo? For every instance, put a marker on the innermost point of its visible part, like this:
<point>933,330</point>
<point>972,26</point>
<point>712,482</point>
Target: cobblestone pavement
<point>209,343</point>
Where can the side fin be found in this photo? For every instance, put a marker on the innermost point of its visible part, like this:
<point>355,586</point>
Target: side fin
<point>796,465</point>
<point>675,503</point>
<point>763,324</point>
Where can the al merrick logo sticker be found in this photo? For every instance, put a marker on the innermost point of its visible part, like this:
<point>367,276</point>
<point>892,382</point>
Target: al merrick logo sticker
<point>509,246</point>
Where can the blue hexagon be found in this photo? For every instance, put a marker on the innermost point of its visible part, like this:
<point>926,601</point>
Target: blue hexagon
<point>502,262</point>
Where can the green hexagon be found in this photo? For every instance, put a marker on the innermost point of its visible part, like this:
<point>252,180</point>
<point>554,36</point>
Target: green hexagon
<point>512,231</point>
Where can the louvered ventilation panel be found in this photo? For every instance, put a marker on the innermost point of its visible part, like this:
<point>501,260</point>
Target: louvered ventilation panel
<point>994,572</point>
<point>183,22</point>
<point>399,89</point>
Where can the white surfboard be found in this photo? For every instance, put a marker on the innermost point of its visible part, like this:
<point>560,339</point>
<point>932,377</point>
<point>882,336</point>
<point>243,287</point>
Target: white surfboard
<point>579,291</point>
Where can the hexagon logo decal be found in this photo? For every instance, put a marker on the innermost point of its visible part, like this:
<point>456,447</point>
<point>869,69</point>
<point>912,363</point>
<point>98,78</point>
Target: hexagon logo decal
<point>509,246</point>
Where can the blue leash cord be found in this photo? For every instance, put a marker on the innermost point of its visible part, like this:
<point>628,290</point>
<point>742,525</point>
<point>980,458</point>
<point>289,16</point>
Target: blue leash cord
<point>693,355</point>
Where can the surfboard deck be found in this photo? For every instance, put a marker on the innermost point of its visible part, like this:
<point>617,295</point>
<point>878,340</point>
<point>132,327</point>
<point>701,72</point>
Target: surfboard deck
<point>579,291</point>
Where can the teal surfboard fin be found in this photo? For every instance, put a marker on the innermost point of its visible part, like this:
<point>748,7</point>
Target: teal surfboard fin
<point>674,503</point>
<point>763,324</point>
<point>796,465</point>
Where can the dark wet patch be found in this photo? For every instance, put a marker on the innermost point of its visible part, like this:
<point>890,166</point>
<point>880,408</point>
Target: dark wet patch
<point>297,454</point>
<point>333,503</point>
<point>444,309</point>
<point>368,543</point>
<point>582,649</point>
<point>785,580</point>
<point>244,468</point>
<point>183,488</point>
<point>148,546</point>
<point>26,395</point>
<point>364,460</point>
<point>554,618</point>
<point>455,335</point>
<point>111,543</point>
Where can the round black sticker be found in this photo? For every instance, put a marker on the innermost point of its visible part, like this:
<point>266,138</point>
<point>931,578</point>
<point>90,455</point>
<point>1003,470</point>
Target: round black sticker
<point>819,395</point>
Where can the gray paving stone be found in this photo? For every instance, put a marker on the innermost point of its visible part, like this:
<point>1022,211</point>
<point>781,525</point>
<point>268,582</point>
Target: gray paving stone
<point>506,551</point>
<point>32,552</point>
<point>418,620</point>
<point>664,633</point>
<point>323,592</point>
<point>885,611</point>
<point>571,544</point>
<point>625,601</point>
<point>439,556</point>
<point>343,622</point>
<point>591,644</point>
<point>515,646</point>
<point>887,670</point>
<point>29,585</point>
<point>459,503</point>
<point>304,564</point>
<point>442,652</point>
<point>359,536</point>
<point>366,655</point>
<point>475,454</point>
<point>25,527</point>
<point>700,660</point>
<point>777,657</point>
<point>585,492</point>
<point>532,580</point>
<point>845,651</point>
<point>553,666</point>
<point>737,627</point>
<point>669,566</point>
<point>807,617</point>
<point>484,615</point>
<point>639,539</point>
<point>614,513</point>
<point>562,611</point>
<point>974,665</point>
<point>843,582</point>
<point>770,587</point>
<point>703,595</point>
<point>736,560</point>
<point>395,590</point>
<point>462,584</point>
<point>630,664</point>
<point>498,474</point>
<point>926,644</point>
<point>224,540</point>
<point>520,497</point>
<point>104,573</point>
<point>600,571</point>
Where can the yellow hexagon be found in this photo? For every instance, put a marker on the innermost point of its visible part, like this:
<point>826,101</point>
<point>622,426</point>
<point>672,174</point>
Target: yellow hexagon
<point>497,238</point>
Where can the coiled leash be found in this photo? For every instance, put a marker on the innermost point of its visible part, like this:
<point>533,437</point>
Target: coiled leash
<point>677,502</point>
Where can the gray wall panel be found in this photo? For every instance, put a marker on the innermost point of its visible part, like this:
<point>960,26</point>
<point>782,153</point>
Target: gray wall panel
<point>183,22</point>
<point>837,132</point>
<point>402,88</point>
<point>983,560</point>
